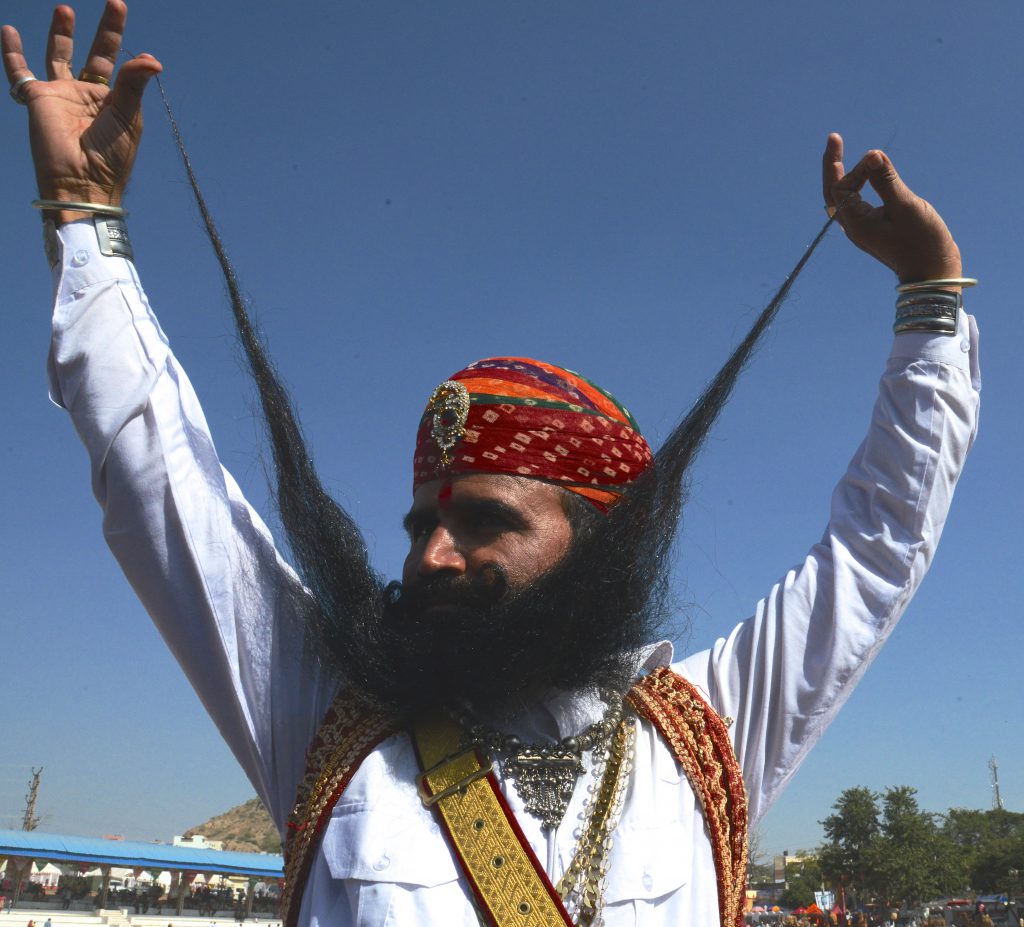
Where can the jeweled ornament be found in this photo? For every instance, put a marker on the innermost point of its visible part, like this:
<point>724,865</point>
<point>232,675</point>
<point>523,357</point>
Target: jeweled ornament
<point>449,408</point>
<point>545,779</point>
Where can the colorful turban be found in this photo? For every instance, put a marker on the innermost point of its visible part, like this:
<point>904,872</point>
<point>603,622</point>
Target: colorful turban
<point>523,417</point>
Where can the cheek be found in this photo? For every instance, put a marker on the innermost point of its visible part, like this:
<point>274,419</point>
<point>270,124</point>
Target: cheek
<point>530,558</point>
<point>554,538</point>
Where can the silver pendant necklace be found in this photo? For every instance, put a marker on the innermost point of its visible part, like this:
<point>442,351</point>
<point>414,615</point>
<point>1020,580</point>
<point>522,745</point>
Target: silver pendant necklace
<point>546,776</point>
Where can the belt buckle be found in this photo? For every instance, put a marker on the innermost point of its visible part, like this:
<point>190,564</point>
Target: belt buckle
<point>429,800</point>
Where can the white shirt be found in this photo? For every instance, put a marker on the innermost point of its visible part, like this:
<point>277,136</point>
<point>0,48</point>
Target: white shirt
<point>204,565</point>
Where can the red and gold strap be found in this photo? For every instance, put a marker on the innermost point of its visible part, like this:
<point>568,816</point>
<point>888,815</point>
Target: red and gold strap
<point>699,740</point>
<point>508,882</point>
<point>345,738</point>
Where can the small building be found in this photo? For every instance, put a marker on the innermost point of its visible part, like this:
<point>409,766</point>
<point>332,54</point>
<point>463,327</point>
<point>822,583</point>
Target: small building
<point>197,842</point>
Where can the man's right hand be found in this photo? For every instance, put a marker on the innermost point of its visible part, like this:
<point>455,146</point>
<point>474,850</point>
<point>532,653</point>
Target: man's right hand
<point>84,135</point>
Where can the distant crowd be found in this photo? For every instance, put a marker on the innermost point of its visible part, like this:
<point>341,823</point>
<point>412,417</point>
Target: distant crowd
<point>149,900</point>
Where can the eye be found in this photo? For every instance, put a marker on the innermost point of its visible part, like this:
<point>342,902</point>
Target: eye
<point>419,528</point>
<point>488,525</point>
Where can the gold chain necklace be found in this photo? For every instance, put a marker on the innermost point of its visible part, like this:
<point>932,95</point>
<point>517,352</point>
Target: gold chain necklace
<point>581,887</point>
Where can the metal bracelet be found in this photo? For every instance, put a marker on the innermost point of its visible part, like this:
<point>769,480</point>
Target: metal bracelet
<point>112,235</point>
<point>941,282</point>
<point>928,297</point>
<point>102,209</point>
<point>934,326</point>
<point>928,310</point>
<point>51,243</point>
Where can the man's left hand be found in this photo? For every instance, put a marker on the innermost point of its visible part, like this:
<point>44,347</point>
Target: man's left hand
<point>904,232</point>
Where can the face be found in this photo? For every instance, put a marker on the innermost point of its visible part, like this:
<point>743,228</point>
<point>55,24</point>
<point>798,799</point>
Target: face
<point>509,591</point>
<point>463,526</point>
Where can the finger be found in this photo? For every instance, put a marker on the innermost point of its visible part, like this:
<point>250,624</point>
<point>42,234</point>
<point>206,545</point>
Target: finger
<point>60,44</point>
<point>846,195</point>
<point>848,187</point>
<point>15,66</point>
<point>107,44</point>
<point>831,166</point>
<point>126,95</point>
<point>893,192</point>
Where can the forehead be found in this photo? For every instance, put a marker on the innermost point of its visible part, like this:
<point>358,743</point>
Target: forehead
<point>520,492</point>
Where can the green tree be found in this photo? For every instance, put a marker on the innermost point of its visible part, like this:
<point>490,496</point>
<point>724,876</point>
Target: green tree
<point>851,832</point>
<point>803,879</point>
<point>991,843</point>
<point>912,860</point>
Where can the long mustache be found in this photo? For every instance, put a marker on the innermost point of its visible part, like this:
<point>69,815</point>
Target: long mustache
<point>482,590</point>
<point>345,592</point>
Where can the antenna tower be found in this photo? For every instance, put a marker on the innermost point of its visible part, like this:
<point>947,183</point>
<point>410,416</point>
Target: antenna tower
<point>997,799</point>
<point>31,820</point>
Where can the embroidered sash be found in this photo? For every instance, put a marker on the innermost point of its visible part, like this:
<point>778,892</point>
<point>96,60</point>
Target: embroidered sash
<point>697,737</point>
<point>699,740</point>
<point>347,735</point>
<point>508,881</point>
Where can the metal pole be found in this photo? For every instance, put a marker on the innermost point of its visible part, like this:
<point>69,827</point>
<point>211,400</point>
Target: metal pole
<point>106,885</point>
<point>19,876</point>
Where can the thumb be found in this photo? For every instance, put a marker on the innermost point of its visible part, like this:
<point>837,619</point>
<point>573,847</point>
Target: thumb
<point>131,83</point>
<point>884,180</point>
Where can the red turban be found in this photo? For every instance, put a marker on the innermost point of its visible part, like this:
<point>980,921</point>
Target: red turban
<point>523,417</point>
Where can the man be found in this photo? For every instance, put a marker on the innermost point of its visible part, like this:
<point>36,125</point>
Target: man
<point>539,532</point>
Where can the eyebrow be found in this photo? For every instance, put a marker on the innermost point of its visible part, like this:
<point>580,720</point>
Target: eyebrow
<point>467,508</point>
<point>492,507</point>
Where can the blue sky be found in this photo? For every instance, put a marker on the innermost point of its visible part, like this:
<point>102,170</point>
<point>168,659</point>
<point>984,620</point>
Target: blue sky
<point>615,187</point>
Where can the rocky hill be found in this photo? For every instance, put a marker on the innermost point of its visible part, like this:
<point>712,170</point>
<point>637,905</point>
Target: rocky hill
<point>246,828</point>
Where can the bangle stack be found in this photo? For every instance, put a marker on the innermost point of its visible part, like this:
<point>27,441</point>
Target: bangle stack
<point>111,230</point>
<point>929,306</point>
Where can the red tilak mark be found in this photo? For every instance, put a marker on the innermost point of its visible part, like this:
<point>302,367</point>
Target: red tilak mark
<point>444,494</point>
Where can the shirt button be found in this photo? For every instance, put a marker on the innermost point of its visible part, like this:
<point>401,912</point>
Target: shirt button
<point>382,863</point>
<point>80,258</point>
<point>648,882</point>
<point>965,346</point>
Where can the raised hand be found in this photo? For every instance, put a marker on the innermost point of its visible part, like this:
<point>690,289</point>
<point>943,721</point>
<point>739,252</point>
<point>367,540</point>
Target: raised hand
<point>904,233</point>
<point>84,134</point>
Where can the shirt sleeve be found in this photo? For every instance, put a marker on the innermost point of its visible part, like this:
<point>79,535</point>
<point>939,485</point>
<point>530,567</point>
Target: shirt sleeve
<point>784,673</point>
<point>199,557</point>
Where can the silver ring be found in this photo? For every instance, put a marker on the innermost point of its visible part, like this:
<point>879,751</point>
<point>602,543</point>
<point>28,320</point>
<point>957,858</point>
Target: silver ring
<point>17,87</point>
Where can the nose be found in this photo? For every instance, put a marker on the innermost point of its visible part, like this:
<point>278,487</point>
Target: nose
<point>440,552</point>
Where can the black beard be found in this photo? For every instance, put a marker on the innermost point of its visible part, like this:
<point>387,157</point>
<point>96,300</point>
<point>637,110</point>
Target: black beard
<point>448,640</point>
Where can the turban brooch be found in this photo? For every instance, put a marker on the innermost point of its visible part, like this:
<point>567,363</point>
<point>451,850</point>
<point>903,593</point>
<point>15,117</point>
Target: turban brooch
<point>524,417</point>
